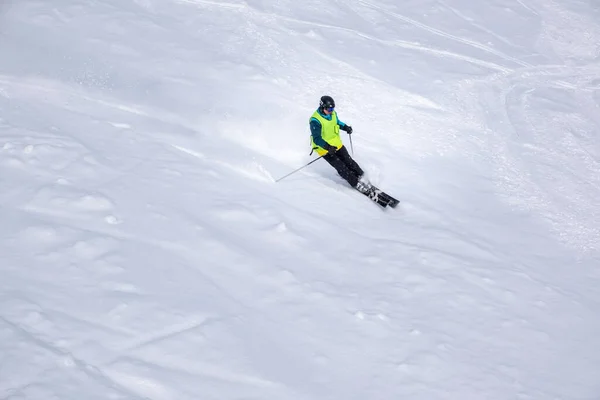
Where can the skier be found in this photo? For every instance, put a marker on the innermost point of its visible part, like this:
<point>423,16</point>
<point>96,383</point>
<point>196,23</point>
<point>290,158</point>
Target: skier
<point>325,140</point>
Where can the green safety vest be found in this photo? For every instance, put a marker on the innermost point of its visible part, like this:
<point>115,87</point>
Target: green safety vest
<point>330,132</point>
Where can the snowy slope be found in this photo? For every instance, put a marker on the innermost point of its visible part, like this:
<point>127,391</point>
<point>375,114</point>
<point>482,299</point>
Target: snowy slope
<point>147,253</point>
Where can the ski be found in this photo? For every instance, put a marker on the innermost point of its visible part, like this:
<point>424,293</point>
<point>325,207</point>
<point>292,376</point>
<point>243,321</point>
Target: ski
<point>376,195</point>
<point>392,202</point>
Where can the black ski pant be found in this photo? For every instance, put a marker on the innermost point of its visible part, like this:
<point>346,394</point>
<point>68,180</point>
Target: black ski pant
<point>344,165</point>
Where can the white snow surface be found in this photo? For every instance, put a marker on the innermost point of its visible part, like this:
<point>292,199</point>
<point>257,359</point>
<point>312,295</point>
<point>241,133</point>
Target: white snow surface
<point>146,251</point>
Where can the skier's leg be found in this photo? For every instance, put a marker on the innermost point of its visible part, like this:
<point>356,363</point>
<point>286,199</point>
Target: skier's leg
<point>340,166</point>
<point>342,153</point>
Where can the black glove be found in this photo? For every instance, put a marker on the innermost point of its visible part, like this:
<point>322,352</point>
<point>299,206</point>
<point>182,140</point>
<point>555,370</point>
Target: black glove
<point>347,128</point>
<point>331,149</point>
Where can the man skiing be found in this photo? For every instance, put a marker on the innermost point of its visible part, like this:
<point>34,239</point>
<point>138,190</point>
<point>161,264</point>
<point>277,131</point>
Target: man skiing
<point>325,140</point>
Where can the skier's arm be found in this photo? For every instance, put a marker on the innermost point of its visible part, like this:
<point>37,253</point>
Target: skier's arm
<point>344,126</point>
<point>315,131</point>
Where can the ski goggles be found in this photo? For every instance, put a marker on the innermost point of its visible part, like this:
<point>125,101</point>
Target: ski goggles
<point>330,109</point>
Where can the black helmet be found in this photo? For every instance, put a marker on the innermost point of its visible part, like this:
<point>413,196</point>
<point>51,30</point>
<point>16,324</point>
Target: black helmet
<point>327,102</point>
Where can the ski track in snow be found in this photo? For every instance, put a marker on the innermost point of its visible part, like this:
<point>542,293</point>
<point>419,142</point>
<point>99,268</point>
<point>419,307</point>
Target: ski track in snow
<point>146,252</point>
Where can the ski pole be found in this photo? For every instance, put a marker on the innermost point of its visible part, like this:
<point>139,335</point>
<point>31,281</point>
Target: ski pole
<point>304,166</point>
<point>351,146</point>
